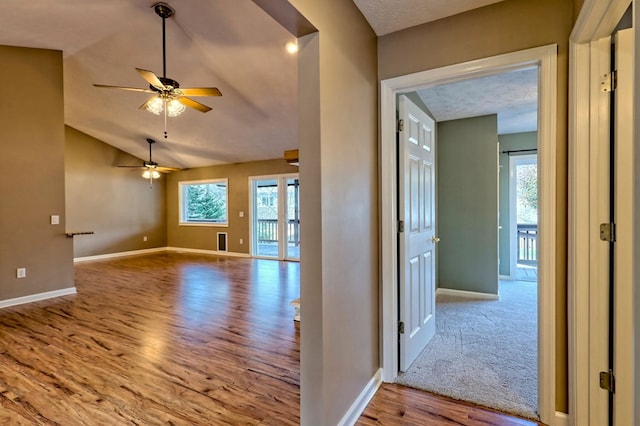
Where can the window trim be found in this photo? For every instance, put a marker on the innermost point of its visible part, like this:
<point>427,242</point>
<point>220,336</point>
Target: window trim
<point>181,202</point>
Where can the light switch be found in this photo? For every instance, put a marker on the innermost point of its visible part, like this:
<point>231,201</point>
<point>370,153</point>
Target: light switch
<point>241,214</point>
<point>55,219</point>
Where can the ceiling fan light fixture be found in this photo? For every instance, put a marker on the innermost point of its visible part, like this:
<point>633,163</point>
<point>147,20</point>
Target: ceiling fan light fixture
<point>155,105</point>
<point>151,174</point>
<point>174,108</point>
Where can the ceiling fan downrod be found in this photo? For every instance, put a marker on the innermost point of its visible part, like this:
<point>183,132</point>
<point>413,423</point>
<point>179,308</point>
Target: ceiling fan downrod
<point>164,11</point>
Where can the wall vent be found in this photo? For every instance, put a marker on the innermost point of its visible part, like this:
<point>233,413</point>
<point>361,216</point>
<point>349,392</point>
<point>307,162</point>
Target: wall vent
<point>222,241</point>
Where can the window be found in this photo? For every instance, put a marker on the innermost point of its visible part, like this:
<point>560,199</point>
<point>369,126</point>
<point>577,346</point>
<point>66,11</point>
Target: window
<point>203,202</point>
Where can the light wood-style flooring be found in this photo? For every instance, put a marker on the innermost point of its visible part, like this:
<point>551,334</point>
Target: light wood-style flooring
<point>178,339</point>
<point>398,405</point>
<point>162,339</point>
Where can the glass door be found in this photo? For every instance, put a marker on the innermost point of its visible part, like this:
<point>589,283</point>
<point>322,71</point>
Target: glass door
<point>275,223</point>
<point>293,218</point>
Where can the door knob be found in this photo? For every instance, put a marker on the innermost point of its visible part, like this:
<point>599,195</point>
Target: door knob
<point>435,240</point>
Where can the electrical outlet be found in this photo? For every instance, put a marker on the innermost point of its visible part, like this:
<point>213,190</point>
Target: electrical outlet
<point>21,272</point>
<point>144,238</point>
<point>241,241</point>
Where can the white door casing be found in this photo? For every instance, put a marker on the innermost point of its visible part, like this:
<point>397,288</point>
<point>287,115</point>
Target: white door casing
<point>416,202</point>
<point>588,258</point>
<point>546,58</point>
<point>623,269</point>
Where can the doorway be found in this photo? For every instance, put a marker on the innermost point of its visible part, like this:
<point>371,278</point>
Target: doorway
<point>481,342</point>
<point>545,59</point>
<point>523,216</point>
<point>275,216</point>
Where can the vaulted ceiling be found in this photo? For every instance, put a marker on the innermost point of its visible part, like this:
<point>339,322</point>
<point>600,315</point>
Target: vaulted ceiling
<point>232,45</point>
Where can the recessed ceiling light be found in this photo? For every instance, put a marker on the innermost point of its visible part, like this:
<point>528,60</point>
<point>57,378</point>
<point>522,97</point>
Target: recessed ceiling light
<point>292,47</point>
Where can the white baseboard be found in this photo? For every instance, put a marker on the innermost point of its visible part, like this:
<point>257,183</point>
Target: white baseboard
<point>213,252</point>
<point>561,419</point>
<point>357,408</point>
<point>120,254</point>
<point>470,294</point>
<point>157,250</point>
<point>37,297</point>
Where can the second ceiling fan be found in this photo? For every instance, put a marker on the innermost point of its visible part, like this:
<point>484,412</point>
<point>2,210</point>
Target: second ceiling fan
<point>167,94</point>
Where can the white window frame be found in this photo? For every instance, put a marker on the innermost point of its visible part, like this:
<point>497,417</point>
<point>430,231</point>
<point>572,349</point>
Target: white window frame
<point>181,202</point>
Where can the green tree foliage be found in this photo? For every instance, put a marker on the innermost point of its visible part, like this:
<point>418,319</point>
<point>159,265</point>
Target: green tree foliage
<point>527,188</point>
<point>207,202</point>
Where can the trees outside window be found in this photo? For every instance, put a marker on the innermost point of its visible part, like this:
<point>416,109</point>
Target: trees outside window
<point>203,202</point>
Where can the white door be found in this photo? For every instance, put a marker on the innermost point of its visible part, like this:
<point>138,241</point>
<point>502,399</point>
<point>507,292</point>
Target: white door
<point>625,222</point>
<point>275,213</point>
<point>416,209</point>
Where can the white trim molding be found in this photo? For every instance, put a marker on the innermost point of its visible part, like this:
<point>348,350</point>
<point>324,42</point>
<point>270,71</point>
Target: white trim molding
<point>545,58</point>
<point>357,408</point>
<point>211,252</point>
<point>157,250</point>
<point>467,294</point>
<point>562,419</point>
<point>37,297</point>
<point>119,254</point>
<point>588,178</point>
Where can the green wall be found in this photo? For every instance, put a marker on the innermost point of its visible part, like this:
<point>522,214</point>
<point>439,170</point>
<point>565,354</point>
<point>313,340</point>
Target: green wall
<point>506,26</point>
<point>515,141</point>
<point>468,204</point>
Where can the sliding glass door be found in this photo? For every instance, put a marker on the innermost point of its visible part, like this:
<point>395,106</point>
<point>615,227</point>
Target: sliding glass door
<point>275,217</point>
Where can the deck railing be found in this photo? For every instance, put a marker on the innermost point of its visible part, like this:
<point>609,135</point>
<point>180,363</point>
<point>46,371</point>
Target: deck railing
<point>528,244</point>
<point>268,231</point>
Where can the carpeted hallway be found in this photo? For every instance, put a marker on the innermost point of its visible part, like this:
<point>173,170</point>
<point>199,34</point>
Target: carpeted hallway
<point>484,351</point>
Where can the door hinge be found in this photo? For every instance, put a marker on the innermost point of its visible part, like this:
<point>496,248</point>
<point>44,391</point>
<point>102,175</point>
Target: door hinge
<point>400,125</point>
<point>608,232</point>
<point>401,226</point>
<point>609,82</point>
<point>401,327</point>
<point>607,381</point>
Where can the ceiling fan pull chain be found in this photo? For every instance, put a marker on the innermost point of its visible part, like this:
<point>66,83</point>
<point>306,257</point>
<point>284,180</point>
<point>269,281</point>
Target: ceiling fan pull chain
<point>165,121</point>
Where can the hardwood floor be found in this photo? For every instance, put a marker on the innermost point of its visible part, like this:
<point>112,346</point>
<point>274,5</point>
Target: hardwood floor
<point>397,405</point>
<point>161,339</point>
<point>178,339</point>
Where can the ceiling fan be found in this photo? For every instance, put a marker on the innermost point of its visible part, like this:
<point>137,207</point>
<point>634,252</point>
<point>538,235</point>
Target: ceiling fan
<point>167,94</point>
<point>151,169</point>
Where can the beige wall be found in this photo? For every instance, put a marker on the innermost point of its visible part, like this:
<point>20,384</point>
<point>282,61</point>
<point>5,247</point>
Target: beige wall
<point>339,204</point>
<point>32,184</point>
<point>503,27</point>
<point>115,203</point>
<point>205,237</point>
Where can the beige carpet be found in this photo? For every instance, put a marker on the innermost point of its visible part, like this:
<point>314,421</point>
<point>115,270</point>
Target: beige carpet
<point>484,351</point>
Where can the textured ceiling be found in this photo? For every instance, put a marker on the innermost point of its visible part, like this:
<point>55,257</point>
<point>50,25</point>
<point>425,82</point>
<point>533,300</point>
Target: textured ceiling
<point>512,95</point>
<point>387,16</point>
<point>232,45</point>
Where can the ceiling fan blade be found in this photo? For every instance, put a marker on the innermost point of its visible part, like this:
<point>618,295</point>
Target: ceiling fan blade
<point>193,104</point>
<point>167,169</point>
<point>201,91</point>
<point>134,167</point>
<point>151,78</point>
<point>132,89</point>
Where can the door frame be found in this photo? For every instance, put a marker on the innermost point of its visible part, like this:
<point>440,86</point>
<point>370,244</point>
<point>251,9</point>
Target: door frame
<point>545,57</point>
<point>513,212</point>
<point>283,252</point>
<point>588,258</point>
